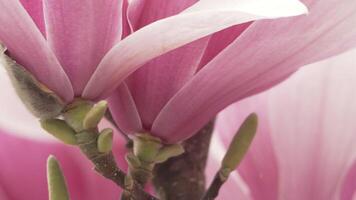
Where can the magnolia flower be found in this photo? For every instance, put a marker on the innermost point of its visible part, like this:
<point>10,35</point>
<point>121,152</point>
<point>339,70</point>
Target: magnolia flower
<point>73,47</point>
<point>306,143</point>
<point>174,95</point>
<point>304,149</point>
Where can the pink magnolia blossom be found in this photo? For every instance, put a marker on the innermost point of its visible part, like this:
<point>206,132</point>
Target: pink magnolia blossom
<point>306,141</point>
<point>304,149</point>
<point>174,95</point>
<point>74,47</point>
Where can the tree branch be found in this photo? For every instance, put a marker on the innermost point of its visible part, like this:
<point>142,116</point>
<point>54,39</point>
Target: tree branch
<point>183,177</point>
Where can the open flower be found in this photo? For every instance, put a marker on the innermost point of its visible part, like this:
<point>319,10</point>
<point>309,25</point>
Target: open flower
<point>174,95</point>
<point>305,147</point>
<point>73,47</point>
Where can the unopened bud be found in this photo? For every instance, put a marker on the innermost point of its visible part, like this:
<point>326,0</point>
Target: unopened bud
<point>57,188</point>
<point>240,144</point>
<point>95,114</point>
<point>105,140</point>
<point>60,129</point>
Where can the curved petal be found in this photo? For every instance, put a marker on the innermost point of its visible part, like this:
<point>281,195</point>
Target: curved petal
<point>257,60</point>
<point>35,9</point>
<point>23,171</point>
<point>200,20</point>
<point>310,124</point>
<point>315,138</point>
<point>80,33</point>
<point>144,12</point>
<point>159,79</point>
<point>28,47</point>
<point>124,111</point>
<point>220,40</point>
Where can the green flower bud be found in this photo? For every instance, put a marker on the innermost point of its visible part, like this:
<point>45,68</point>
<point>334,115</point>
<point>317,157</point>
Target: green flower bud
<point>105,140</point>
<point>239,145</point>
<point>95,114</point>
<point>59,129</point>
<point>75,113</point>
<point>57,188</point>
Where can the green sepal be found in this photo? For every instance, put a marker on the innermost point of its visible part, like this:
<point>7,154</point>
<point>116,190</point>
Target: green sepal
<point>59,129</point>
<point>167,152</point>
<point>38,98</point>
<point>105,140</point>
<point>75,113</point>
<point>95,114</point>
<point>132,160</point>
<point>239,145</point>
<point>57,188</point>
<point>146,147</point>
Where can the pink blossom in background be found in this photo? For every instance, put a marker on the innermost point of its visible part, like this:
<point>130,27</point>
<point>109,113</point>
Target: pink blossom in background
<point>23,170</point>
<point>174,95</point>
<point>74,46</point>
<point>306,141</point>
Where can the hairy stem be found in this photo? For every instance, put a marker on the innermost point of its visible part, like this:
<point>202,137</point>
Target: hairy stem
<point>183,177</point>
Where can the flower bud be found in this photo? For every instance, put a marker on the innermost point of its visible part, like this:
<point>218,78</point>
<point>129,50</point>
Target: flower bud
<point>105,140</point>
<point>239,145</point>
<point>57,188</point>
<point>95,114</point>
<point>60,129</point>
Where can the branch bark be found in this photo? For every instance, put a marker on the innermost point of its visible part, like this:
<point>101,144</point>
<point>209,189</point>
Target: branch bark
<point>105,165</point>
<point>183,177</point>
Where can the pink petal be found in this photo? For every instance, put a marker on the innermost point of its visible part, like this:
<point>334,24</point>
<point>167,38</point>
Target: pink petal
<point>311,118</point>
<point>220,40</point>
<point>80,33</point>
<point>308,121</point>
<point>257,60</point>
<point>144,12</point>
<point>202,19</point>
<point>23,171</point>
<point>28,47</point>
<point>259,167</point>
<point>349,186</point>
<point>35,9</point>
<point>124,111</point>
<point>158,80</point>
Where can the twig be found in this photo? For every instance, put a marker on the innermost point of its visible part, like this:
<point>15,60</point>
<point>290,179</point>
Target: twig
<point>105,165</point>
<point>214,188</point>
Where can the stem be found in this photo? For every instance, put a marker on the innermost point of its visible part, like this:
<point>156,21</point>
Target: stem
<point>183,177</point>
<point>105,164</point>
<point>214,188</point>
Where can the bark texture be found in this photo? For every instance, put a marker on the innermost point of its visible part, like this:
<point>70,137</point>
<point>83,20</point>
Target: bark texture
<point>183,177</point>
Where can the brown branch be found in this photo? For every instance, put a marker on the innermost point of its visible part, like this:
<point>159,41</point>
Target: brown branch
<point>105,165</point>
<point>183,177</point>
<point>214,188</point>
